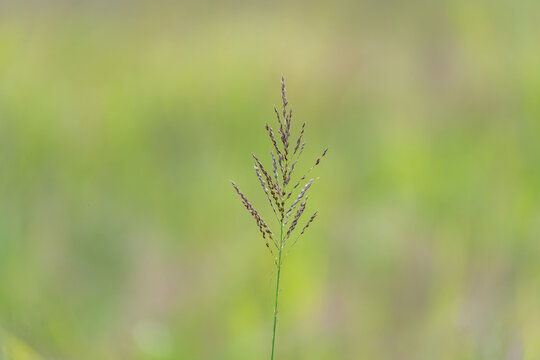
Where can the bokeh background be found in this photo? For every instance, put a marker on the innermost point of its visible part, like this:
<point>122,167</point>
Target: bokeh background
<point>121,124</point>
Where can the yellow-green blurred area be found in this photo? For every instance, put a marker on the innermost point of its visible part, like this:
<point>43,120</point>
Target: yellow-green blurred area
<point>122,123</point>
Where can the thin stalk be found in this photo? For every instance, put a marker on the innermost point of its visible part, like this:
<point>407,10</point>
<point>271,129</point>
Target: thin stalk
<point>277,290</point>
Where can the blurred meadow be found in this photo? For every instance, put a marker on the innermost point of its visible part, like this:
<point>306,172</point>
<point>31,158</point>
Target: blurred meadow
<point>121,124</point>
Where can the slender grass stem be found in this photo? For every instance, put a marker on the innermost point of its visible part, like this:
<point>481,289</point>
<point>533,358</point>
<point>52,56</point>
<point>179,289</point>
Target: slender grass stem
<point>277,291</point>
<point>278,195</point>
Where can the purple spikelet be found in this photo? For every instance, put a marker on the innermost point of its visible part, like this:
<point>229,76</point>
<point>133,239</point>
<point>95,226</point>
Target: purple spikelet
<point>299,139</point>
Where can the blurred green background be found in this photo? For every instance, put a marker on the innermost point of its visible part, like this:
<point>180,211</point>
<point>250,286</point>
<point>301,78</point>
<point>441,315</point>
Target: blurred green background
<point>121,124</point>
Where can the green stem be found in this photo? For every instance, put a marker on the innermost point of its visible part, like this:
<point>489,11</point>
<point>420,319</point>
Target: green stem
<point>277,291</point>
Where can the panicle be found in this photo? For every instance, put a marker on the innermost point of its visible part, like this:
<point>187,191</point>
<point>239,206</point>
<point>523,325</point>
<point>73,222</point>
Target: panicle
<point>275,182</point>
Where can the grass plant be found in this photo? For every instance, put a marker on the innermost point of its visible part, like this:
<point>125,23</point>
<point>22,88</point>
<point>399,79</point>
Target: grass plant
<point>279,192</point>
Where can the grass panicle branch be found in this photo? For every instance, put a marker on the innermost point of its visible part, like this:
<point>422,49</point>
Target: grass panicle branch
<point>265,189</point>
<point>307,173</point>
<point>300,196</point>
<point>260,222</point>
<point>304,229</point>
<point>275,168</point>
<point>299,213</point>
<point>299,139</point>
<point>278,191</point>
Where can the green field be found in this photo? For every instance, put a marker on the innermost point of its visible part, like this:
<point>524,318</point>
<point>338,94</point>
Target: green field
<point>122,123</point>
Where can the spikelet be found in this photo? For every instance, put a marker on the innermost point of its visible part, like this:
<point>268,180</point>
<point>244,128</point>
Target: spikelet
<point>275,169</point>
<point>286,182</point>
<point>280,131</point>
<point>274,142</point>
<point>300,196</point>
<point>304,229</point>
<point>303,177</point>
<point>309,222</point>
<point>283,92</point>
<point>286,131</point>
<point>301,149</point>
<point>297,216</point>
<point>299,139</point>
